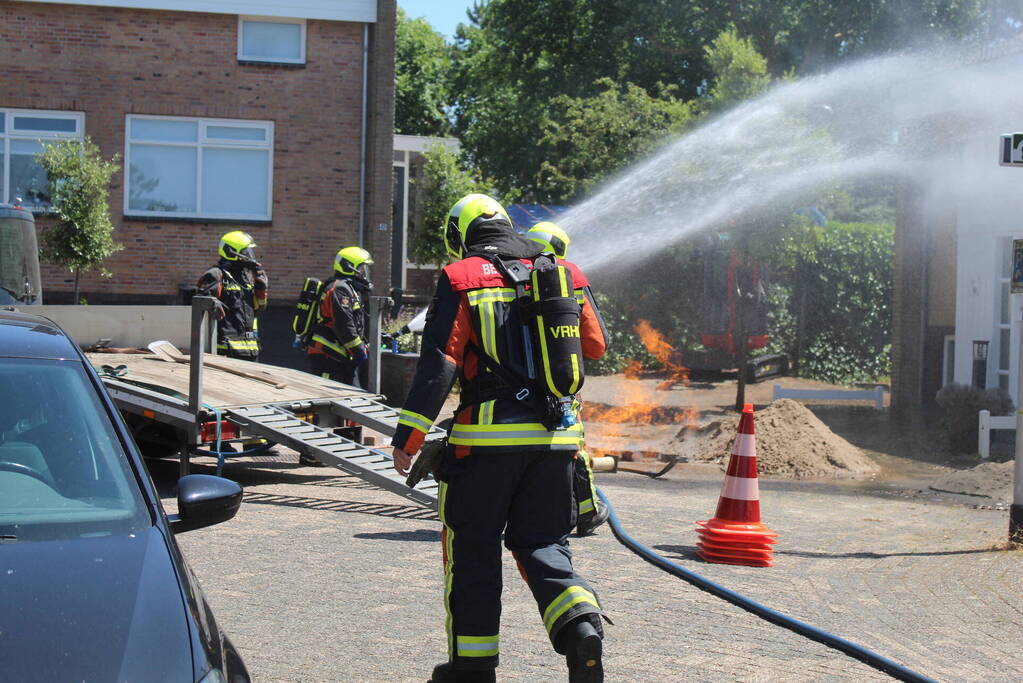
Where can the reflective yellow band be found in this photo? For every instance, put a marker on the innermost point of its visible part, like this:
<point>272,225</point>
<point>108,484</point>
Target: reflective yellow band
<point>490,295</point>
<point>487,412</point>
<point>449,563</point>
<point>414,420</point>
<point>571,596</point>
<point>521,434</point>
<point>239,345</point>
<point>580,296</point>
<point>355,342</point>
<point>329,344</point>
<point>477,646</point>
<point>488,330</point>
<point>586,506</point>
<point>232,287</point>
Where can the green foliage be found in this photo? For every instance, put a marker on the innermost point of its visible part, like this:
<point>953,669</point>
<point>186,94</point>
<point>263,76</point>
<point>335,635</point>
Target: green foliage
<point>740,73</point>
<point>961,404</point>
<point>442,183</point>
<point>79,181</point>
<point>517,57</point>
<point>422,65</point>
<point>845,272</point>
<point>585,139</point>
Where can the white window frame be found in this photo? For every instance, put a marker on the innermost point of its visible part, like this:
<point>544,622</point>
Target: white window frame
<point>202,143</point>
<point>272,20</point>
<point>10,134</point>
<point>948,356</point>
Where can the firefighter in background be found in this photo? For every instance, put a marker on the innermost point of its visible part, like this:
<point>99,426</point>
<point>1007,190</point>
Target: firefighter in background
<point>505,470</point>
<point>240,287</point>
<point>592,513</point>
<point>337,348</point>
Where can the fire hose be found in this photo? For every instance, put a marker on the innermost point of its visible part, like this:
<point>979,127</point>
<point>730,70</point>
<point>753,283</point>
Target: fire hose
<point>812,632</point>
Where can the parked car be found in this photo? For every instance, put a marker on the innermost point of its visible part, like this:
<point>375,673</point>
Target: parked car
<point>93,586</point>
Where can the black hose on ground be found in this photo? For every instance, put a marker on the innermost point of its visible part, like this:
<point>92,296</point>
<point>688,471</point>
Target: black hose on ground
<point>812,632</point>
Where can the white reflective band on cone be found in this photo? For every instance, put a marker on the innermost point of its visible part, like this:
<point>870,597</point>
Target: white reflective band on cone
<point>740,488</point>
<point>745,445</point>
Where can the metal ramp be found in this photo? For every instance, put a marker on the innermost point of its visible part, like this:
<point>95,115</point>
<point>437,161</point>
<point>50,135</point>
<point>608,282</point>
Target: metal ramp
<point>373,414</point>
<point>321,443</point>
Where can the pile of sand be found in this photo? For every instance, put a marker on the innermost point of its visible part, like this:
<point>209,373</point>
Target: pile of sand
<point>989,479</point>
<point>791,442</point>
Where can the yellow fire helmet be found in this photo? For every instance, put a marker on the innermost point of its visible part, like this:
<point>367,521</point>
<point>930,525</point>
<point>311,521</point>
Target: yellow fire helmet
<point>551,237</point>
<point>467,211</point>
<point>237,244</point>
<point>350,260</point>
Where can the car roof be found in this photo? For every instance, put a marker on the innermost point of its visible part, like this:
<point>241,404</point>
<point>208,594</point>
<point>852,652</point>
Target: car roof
<point>32,336</point>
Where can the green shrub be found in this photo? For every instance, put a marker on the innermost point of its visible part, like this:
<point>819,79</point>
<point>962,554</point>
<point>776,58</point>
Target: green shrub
<point>961,404</point>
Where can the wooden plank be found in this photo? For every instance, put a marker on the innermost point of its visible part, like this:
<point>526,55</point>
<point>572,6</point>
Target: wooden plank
<point>222,389</point>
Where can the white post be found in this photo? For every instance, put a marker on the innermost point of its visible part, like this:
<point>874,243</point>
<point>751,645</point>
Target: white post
<point>879,397</point>
<point>1016,509</point>
<point>984,434</point>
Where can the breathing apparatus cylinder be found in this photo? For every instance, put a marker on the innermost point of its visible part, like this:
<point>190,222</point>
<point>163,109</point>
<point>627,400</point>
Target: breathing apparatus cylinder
<point>557,332</point>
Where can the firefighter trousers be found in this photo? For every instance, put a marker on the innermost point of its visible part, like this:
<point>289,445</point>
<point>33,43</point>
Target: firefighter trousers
<point>529,497</point>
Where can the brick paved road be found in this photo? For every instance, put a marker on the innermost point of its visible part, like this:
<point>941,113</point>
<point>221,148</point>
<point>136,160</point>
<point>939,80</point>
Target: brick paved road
<point>322,578</point>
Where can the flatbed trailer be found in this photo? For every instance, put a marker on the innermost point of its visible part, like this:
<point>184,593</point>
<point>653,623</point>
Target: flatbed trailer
<point>320,418</point>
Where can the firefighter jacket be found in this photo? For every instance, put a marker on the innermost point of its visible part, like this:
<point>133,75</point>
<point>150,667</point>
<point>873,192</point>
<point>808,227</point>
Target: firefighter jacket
<point>474,312</point>
<point>240,291</point>
<point>341,320</point>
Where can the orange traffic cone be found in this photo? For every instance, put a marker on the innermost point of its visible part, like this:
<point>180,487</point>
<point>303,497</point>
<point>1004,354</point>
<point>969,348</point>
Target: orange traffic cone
<point>735,535</point>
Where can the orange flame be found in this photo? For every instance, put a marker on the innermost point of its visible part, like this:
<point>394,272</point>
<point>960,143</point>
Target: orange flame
<point>660,349</point>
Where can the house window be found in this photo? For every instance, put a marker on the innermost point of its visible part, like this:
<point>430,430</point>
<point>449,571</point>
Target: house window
<point>23,132</point>
<point>198,168</point>
<point>271,40</point>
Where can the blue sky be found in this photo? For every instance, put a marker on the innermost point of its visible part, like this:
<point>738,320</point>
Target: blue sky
<point>444,15</point>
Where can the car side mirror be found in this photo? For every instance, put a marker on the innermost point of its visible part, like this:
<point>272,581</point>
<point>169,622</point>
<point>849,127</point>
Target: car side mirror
<point>204,500</point>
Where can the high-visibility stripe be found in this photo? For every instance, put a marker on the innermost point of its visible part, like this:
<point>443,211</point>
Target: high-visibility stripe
<point>740,488</point>
<point>355,342</point>
<point>571,596</point>
<point>586,506</point>
<point>528,434</point>
<point>414,420</point>
<point>329,344</point>
<point>477,646</point>
<point>563,282</point>
<point>487,412</point>
<point>580,296</point>
<point>447,536</point>
<point>576,377</point>
<point>745,445</point>
<point>488,330</point>
<point>489,295</point>
<point>546,358</point>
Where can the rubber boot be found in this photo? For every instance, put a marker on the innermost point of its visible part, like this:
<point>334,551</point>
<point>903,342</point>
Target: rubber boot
<point>582,644</point>
<point>444,673</point>
<point>587,524</point>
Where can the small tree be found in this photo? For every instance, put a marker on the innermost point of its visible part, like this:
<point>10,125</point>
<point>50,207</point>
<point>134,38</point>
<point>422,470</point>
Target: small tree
<point>79,181</point>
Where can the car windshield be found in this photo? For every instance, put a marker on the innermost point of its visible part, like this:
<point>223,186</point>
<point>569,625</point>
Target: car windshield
<point>63,471</point>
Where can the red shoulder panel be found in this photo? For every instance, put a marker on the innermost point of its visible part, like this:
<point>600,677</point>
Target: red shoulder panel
<point>473,273</point>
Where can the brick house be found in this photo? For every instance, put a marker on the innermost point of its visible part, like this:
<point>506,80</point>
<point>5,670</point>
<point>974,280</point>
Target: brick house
<point>269,117</point>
